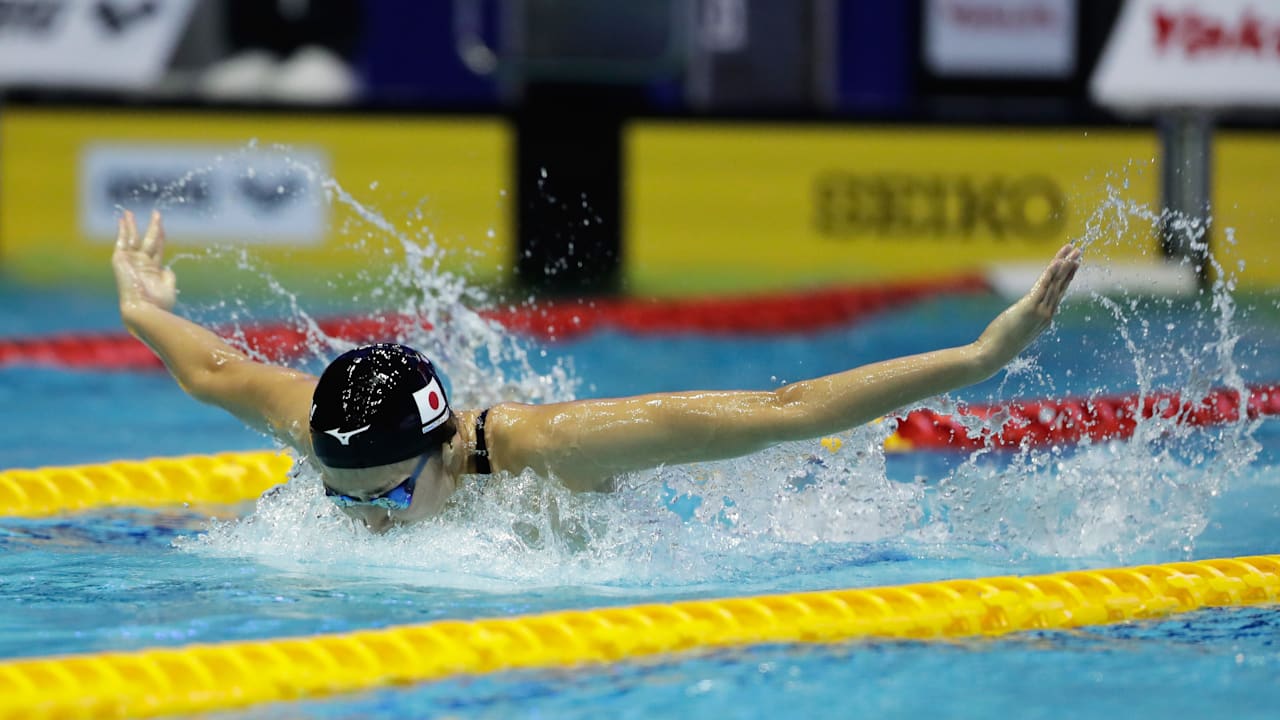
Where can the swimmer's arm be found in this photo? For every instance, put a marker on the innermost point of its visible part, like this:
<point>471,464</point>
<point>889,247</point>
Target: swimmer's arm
<point>625,434</point>
<point>588,441</point>
<point>269,398</point>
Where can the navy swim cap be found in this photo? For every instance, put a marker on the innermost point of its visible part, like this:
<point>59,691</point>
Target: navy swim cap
<point>377,405</point>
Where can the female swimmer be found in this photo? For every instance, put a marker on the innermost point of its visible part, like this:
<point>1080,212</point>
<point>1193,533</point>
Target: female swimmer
<point>390,449</point>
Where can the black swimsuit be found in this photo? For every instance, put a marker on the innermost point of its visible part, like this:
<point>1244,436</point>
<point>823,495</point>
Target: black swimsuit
<point>481,453</point>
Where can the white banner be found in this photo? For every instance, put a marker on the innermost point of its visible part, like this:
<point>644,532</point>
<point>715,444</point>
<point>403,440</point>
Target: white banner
<point>1000,37</point>
<point>88,43</point>
<point>1205,54</point>
<point>207,192</point>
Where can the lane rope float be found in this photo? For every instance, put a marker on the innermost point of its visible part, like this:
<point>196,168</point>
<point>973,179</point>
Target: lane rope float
<point>1070,421</point>
<point>203,678</point>
<point>220,478</point>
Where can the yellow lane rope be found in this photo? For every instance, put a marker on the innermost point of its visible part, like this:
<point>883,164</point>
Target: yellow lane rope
<point>221,478</point>
<point>201,678</point>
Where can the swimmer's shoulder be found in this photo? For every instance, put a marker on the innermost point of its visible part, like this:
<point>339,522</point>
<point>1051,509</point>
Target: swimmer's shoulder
<point>523,436</point>
<point>514,435</point>
<point>287,407</point>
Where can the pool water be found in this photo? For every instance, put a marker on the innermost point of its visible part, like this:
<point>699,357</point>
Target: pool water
<point>794,518</point>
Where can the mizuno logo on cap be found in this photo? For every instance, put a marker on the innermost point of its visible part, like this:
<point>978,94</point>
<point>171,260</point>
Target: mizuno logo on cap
<point>345,437</point>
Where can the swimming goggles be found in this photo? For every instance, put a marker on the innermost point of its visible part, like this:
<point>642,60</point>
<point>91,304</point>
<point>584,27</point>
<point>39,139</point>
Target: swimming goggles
<point>397,498</point>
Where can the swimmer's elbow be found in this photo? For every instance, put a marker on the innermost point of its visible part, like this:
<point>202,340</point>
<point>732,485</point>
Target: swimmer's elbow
<point>781,417</point>
<point>200,384</point>
<point>216,385</point>
<point>209,378</point>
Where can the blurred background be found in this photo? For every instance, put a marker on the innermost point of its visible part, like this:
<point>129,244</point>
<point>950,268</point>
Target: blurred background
<point>644,147</point>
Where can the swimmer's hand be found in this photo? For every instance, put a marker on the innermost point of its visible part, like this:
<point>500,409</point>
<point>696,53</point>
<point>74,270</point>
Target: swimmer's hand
<point>269,398</point>
<point>140,276</point>
<point>1015,328</point>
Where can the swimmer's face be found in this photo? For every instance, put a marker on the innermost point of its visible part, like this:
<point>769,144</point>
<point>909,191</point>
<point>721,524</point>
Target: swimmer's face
<point>433,488</point>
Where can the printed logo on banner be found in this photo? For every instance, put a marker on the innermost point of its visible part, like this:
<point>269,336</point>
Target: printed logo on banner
<point>89,43</point>
<point>1207,54</point>
<point>207,192</point>
<point>1026,208</point>
<point>29,17</point>
<point>1193,33</point>
<point>117,17</point>
<point>1000,37</point>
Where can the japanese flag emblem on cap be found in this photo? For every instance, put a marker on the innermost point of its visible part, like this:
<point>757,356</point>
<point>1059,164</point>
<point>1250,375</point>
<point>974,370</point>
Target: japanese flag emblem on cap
<point>432,407</point>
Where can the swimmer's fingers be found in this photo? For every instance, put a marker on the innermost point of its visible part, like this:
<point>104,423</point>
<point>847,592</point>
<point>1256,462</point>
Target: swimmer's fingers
<point>1073,265</point>
<point>126,232</point>
<point>1057,278</point>
<point>1043,289</point>
<point>1069,262</point>
<point>153,241</point>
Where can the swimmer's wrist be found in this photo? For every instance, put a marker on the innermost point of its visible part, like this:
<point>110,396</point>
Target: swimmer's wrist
<point>1007,336</point>
<point>133,311</point>
<point>990,354</point>
<point>141,303</point>
<point>131,306</point>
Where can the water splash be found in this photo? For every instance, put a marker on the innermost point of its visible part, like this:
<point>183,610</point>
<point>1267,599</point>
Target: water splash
<point>680,526</point>
<point>795,508</point>
<point>1151,495</point>
<point>481,362</point>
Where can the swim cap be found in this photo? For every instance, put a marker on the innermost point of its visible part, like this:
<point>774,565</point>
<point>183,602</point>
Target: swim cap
<point>377,405</point>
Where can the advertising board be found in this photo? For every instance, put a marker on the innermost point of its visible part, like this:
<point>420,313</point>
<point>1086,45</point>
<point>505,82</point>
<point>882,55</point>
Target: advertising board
<point>88,43</point>
<point>1208,54</point>
<point>756,206</point>
<point>308,196</point>
<point>1000,38</point>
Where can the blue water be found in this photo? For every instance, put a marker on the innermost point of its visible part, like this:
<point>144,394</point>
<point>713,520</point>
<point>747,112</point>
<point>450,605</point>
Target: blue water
<point>131,578</point>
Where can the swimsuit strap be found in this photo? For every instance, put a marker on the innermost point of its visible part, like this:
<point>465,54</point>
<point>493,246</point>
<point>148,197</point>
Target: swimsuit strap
<point>481,453</point>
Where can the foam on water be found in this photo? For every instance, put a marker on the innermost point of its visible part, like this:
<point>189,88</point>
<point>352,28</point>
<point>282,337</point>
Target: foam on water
<point>714,522</point>
<point>1147,496</point>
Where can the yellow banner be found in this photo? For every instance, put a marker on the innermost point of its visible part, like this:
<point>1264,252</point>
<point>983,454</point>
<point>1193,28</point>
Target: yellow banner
<point>1246,213</point>
<point>759,207</point>
<point>311,198</point>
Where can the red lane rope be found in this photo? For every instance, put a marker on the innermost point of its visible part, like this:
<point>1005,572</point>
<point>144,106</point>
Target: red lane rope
<point>794,312</point>
<point>1071,420</point>
<point>98,350</point>
<point>798,312</point>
